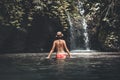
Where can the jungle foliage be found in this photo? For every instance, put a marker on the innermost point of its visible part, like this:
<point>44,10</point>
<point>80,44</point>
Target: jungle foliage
<point>102,16</point>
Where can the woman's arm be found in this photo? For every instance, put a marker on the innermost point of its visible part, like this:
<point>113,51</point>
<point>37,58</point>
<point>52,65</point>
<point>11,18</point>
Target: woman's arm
<point>51,51</point>
<point>67,49</point>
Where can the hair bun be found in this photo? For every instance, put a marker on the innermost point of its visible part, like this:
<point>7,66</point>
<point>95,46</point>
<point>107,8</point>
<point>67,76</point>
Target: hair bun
<point>59,34</point>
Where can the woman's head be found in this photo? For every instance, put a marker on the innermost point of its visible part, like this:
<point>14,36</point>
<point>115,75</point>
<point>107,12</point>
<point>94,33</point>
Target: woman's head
<point>59,34</point>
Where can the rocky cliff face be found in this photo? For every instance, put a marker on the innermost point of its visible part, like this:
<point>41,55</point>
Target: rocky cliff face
<point>37,38</point>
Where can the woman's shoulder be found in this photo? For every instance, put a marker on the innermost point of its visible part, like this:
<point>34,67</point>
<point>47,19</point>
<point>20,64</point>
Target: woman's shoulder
<point>63,40</point>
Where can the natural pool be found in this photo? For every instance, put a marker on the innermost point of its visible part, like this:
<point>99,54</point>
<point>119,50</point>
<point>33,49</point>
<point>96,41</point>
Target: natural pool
<point>83,66</point>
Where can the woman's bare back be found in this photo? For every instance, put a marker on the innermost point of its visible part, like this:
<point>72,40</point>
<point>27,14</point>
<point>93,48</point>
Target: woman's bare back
<point>59,44</point>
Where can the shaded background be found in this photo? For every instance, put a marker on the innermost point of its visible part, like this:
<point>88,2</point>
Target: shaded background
<point>30,26</point>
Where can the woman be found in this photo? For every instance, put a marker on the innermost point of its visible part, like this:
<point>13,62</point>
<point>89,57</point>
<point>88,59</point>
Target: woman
<point>60,45</point>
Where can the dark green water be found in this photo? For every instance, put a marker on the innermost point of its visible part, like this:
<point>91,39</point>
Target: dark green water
<point>98,66</point>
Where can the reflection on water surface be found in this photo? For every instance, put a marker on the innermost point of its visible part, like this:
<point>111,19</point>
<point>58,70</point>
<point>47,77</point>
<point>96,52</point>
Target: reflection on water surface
<point>100,66</point>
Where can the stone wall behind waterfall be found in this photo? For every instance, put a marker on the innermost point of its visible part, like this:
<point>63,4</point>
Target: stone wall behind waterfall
<point>37,38</point>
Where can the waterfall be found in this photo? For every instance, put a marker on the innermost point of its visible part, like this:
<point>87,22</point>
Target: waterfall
<point>72,35</point>
<point>84,24</point>
<point>78,33</point>
<point>85,33</point>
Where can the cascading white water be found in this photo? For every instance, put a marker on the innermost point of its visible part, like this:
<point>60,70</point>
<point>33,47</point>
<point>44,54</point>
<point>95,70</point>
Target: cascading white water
<point>86,38</point>
<point>78,33</point>
<point>72,35</point>
<point>84,24</point>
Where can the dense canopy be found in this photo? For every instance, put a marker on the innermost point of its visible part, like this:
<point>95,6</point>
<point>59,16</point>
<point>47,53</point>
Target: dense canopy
<point>102,18</point>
